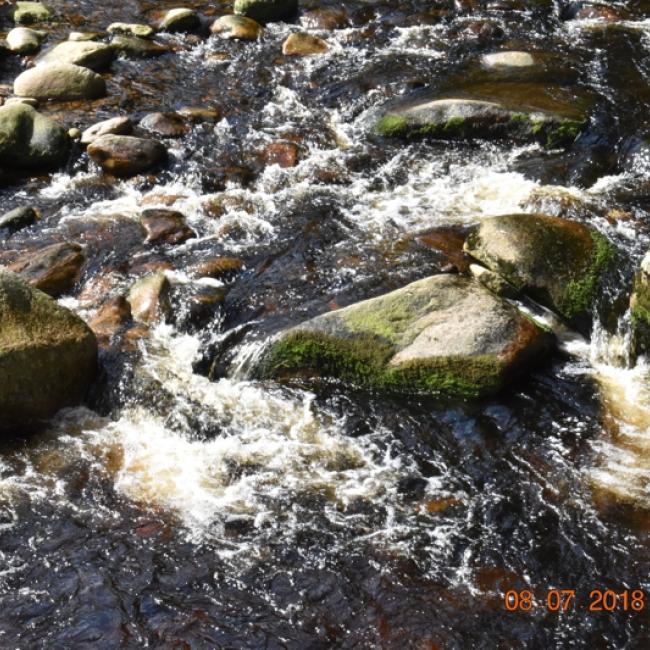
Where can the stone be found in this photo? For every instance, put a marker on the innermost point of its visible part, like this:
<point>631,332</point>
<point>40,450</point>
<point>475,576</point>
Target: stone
<point>136,47</point>
<point>640,309</point>
<point>510,59</point>
<point>552,115</point>
<point>18,218</point>
<point>22,40</point>
<point>443,334</point>
<point>198,114</point>
<point>326,19</point>
<point>180,20</point>
<point>149,298</point>
<point>131,29</point>
<point>30,140</point>
<point>124,155</point>
<point>88,54</point>
<point>74,133</point>
<point>165,125</point>
<point>493,281</point>
<point>54,269</point>
<point>284,154</point>
<point>557,262</point>
<point>28,101</point>
<point>110,318</point>
<point>266,11</point>
<point>237,28</point>
<point>60,81</point>
<point>301,44</point>
<point>166,226</point>
<point>121,125</point>
<point>48,355</point>
<point>217,267</point>
<point>84,36</point>
<point>32,12</point>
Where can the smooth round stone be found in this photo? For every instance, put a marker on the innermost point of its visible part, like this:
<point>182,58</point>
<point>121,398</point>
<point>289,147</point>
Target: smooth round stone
<point>301,44</point>
<point>28,101</point>
<point>165,125</point>
<point>87,54</point>
<point>84,36</point>
<point>135,46</point>
<point>115,126</point>
<point>124,155</point>
<point>32,12</point>
<point>23,40</point>
<point>237,27</point>
<point>74,133</point>
<point>62,81</point>
<point>266,11</point>
<point>131,29</point>
<point>180,20</point>
<point>508,60</point>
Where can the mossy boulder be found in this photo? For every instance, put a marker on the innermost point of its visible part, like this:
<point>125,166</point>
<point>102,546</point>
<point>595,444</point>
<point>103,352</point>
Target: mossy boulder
<point>266,11</point>
<point>640,309</point>
<point>48,356</point>
<point>444,334</point>
<point>30,140</point>
<point>32,12</point>
<point>60,81</point>
<point>551,115</point>
<point>557,262</point>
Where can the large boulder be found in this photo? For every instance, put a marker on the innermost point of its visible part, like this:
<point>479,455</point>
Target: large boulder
<point>640,309</point>
<point>125,155</point>
<point>266,11</point>
<point>87,54</point>
<point>445,333</point>
<point>30,140</point>
<point>32,12</point>
<point>559,263</point>
<point>48,356</point>
<point>61,81</point>
<point>552,115</point>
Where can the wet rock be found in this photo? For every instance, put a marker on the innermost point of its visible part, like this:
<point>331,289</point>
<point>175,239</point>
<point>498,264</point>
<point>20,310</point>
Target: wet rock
<point>124,155</point>
<point>114,314</point>
<point>48,356</point>
<point>134,46</point>
<point>509,59</point>
<point>87,54</point>
<point>180,20</point>
<point>18,218</point>
<point>266,11</point>
<point>54,269</point>
<point>84,36</point>
<point>199,114</point>
<point>115,126</point>
<point>553,115</point>
<point>445,333</point>
<point>284,154</point>
<point>131,29</point>
<point>23,40</point>
<point>28,101</point>
<point>217,268</point>
<point>557,262</point>
<point>493,281</point>
<point>61,81</point>
<point>165,125</point>
<point>640,309</point>
<point>301,44</point>
<point>448,243</point>
<point>30,140</point>
<point>166,226</point>
<point>237,28</point>
<point>32,12</point>
<point>326,19</point>
<point>149,298</point>
<point>74,133</point>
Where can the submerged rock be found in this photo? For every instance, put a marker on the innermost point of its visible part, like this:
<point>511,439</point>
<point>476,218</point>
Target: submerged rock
<point>180,20</point>
<point>48,356</point>
<point>62,81</point>
<point>18,218</point>
<point>328,19</point>
<point>114,126</point>
<point>553,115</point>
<point>445,333</point>
<point>23,40</point>
<point>54,269</point>
<point>113,315</point>
<point>30,140</point>
<point>237,27</point>
<point>166,226</point>
<point>149,298</point>
<point>32,12</point>
<point>640,309</point>
<point>86,54</point>
<point>266,11</point>
<point>301,44</point>
<point>125,155</point>
<point>557,262</point>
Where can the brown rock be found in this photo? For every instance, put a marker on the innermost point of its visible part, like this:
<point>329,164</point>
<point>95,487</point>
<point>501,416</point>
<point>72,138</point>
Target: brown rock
<point>449,242</point>
<point>112,315</point>
<point>115,126</point>
<point>237,28</point>
<point>54,269</point>
<point>328,19</point>
<point>124,155</point>
<point>149,298</point>
<point>217,267</point>
<point>284,154</point>
<point>165,125</point>
<point>301,44</point>
<point>166,226</point>
<point>199,114</point>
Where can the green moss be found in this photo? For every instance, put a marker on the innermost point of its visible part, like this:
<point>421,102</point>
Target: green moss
<point>364,361</point>
<point>536,126</point>
<point>563,135</point>
<point>580,293</point>
<point>391,126</point>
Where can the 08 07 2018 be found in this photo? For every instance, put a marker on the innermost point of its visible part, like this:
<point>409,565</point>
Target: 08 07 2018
<point>563,600</point>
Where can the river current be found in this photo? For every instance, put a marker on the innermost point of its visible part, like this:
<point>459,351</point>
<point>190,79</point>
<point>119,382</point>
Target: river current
<point>178,510</point>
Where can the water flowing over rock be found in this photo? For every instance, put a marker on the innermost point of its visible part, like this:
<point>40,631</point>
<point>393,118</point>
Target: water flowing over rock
<point>557,262</point>
<point>87,54</point>
<point>60,81</point>
<point>48,356</point>
<point>30,140</point>
<point>640,308</point>
<point>442,334</point>
<point>125,155</point>
<point>266,11</point>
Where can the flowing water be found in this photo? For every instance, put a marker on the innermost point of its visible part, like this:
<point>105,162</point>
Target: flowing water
<point>181,511</point>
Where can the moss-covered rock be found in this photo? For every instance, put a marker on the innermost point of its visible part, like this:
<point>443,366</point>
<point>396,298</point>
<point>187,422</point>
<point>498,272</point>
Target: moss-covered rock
<point>549,114</point>
<point>30,140</point>
<point>559,263</point>
<point>266,11</point>
<point>48,356</point>
<point>444,334</point>
<point>640,309</point>
<point>32,12</point>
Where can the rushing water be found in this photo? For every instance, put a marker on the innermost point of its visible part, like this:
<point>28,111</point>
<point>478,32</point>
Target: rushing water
<point>182,512</point>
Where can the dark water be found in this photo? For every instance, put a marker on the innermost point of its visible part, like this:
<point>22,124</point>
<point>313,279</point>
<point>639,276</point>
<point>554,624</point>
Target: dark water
<point>180,512</point>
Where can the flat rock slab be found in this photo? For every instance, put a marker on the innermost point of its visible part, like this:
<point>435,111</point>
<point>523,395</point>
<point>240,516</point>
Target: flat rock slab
<point>443,334</point>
